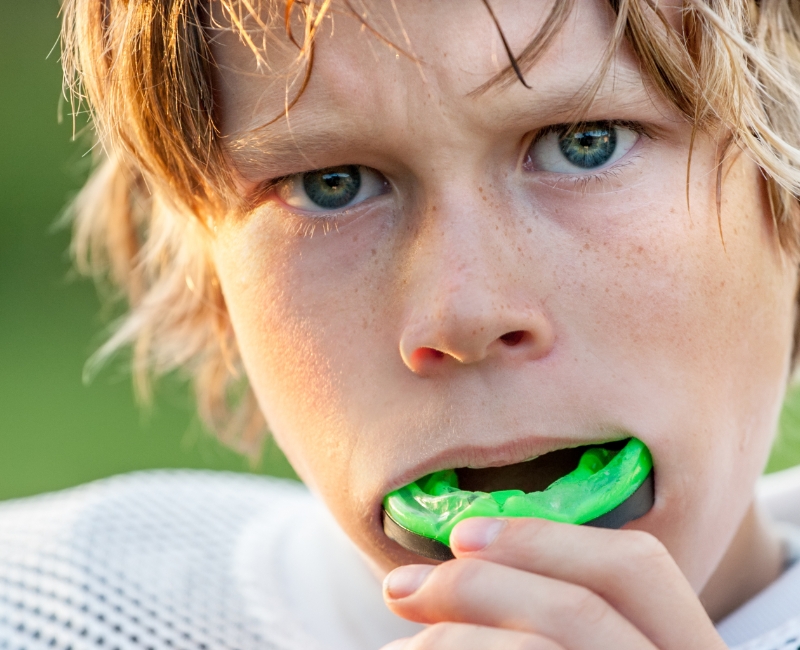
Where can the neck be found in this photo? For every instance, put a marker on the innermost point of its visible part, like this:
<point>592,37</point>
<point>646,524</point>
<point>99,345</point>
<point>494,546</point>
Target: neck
<point>754,559</point>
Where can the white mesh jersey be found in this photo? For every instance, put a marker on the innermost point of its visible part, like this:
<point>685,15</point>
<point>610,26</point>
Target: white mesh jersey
<point>187,560</point>
<point>183,560</point>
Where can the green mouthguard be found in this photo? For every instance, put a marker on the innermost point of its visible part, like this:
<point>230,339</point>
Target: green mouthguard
<point>603,480</point>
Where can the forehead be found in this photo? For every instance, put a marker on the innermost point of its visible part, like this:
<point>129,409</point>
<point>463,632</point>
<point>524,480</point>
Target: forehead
<point>382,70</point>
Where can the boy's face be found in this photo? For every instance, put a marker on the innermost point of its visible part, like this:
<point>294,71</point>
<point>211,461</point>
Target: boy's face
<point>488,304</point>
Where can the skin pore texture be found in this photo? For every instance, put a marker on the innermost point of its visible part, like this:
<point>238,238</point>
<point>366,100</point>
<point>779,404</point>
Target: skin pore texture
<point>372,334</point>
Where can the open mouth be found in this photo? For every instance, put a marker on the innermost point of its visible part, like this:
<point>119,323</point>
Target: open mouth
<point>603,485</point>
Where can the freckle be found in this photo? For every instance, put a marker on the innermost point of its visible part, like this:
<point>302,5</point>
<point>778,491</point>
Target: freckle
<point>374,252</point>
<point>529,231</point>
<point>433,208</point>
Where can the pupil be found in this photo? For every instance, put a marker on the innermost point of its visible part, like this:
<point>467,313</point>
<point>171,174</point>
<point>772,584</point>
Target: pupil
<point>589,147</point>
<point>333,187</point>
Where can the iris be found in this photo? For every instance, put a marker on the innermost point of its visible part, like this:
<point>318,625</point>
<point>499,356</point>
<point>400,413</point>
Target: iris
<point>589,146</point>
<point>334,187</point>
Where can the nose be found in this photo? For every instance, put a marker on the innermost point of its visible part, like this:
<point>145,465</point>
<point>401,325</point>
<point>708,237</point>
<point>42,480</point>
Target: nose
<point>428,350</point>
<point>473,298</point>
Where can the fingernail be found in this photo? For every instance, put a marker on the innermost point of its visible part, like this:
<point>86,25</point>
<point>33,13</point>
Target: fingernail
<point>476,533</point>
<point>405,580</point>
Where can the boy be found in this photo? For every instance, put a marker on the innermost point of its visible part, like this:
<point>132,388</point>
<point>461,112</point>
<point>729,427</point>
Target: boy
<point>424,258</point>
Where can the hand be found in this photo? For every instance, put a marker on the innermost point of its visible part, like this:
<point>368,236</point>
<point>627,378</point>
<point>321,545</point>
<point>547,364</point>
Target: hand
<point>531,584</point>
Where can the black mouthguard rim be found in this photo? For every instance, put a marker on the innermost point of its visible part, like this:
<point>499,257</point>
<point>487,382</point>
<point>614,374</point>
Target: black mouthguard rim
<point>636,505</point>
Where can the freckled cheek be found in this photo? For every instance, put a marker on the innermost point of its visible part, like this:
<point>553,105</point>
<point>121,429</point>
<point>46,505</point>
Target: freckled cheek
<point>671,293</point>
<point>691,411</point>
<point>655,295</point>
<point>312,319</point>
<point>707,331</point>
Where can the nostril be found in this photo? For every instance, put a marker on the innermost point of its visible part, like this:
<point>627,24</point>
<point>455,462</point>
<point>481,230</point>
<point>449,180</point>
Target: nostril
<point>421,355</point>
<point>513,338</point>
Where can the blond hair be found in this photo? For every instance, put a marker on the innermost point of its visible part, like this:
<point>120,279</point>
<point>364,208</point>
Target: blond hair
<point>144,69</point>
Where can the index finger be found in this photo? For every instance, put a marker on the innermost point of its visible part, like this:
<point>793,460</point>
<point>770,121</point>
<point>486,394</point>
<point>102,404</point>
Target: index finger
<point>630,569</point>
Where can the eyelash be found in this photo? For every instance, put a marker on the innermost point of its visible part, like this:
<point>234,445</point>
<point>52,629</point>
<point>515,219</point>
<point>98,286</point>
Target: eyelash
<point>306,227</point>
<point>581,183</point>
<point>637,127</point>
<point>300,224</point>
<point>598,177</point>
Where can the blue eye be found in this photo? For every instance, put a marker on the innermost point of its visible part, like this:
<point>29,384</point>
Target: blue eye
<point>587,147</point>
<point>332,188</point>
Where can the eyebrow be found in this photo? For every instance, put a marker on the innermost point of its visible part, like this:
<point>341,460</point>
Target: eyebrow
<point>285,145</point>
<point>259,152</point>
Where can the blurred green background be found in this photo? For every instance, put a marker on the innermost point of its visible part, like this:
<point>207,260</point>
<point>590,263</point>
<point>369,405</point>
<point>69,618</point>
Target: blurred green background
<point>54,430</point>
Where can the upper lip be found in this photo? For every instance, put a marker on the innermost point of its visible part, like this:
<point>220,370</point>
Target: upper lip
<point>494,455</point>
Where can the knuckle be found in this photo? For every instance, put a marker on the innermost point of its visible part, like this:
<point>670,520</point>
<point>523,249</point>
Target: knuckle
<point>636,554</point>
<point>646,543</point>
<point>647,548</point>
<point>583,605</point>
